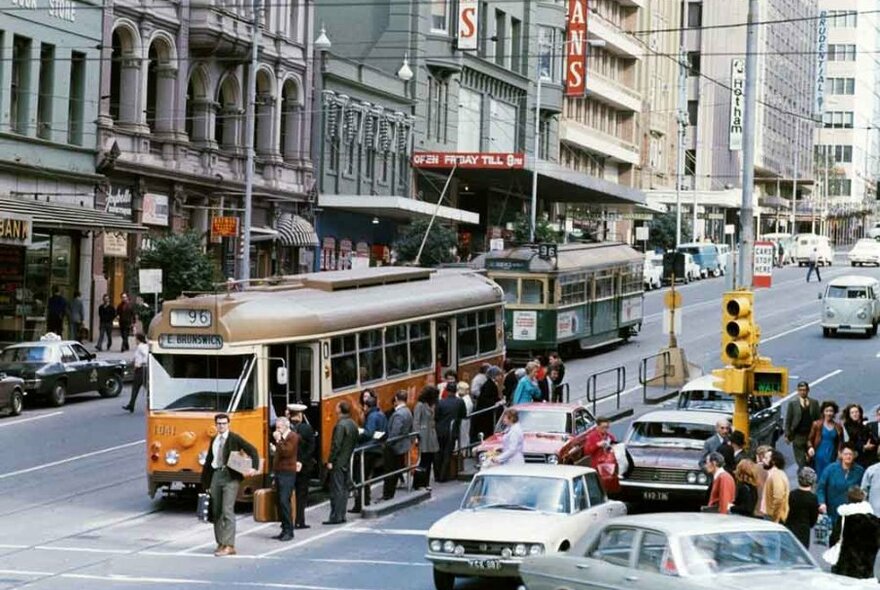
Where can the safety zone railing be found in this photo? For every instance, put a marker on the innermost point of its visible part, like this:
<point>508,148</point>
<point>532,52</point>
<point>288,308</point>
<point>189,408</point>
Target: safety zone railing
<point>608,385</point>
<point>357,466</point>
<point>663,370</point>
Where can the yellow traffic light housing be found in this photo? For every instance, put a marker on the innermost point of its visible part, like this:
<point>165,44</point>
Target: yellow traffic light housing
<point>739,333</point>
<point>769,380</point>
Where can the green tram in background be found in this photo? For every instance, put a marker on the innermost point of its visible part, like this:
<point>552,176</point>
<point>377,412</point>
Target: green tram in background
<point>571,295</point>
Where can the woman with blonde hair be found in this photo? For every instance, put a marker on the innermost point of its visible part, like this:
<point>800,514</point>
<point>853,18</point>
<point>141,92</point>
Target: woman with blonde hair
<point>746,476</point>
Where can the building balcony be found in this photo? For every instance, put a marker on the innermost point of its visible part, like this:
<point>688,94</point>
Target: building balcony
<point>612,92</point>
<point>215,29</point>
<point>592,140</point>
<point>616,41</point>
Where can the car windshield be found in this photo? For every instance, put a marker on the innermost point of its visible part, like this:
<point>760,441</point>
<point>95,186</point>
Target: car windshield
<point>181,382</point>
<point>26,354</point>
<point>670,433</point>
<point>541,421</point>
<point>741,551</point>
<point>716,401</point>
<point>847,293</point>
<point>517,492</point>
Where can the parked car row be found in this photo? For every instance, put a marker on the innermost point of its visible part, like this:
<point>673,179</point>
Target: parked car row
<point>49,371</point>
<point>690,262</point>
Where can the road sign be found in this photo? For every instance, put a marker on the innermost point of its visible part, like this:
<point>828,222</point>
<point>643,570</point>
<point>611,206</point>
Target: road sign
<point>729,229</point>
<point>150,280</point>
<point>762,276</point>
<point>672,300</point>
<point>642,233</point>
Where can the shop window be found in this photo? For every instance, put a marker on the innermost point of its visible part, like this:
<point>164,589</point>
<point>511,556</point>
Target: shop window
<point>420,346</point>
<point>370,355</point>
<point>343,361</point>
<point>396,350</point>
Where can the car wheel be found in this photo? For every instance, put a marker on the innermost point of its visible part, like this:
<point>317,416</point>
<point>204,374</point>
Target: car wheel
<point>443,581</point>
<point>112,386</point>
<point>58,395</point>
<point>16,403</point>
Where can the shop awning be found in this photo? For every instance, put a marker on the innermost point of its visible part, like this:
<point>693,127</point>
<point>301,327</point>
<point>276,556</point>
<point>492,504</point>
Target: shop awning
<point>58,216</point>
<point>264,234</point>
<point>293,230</point>
<point>400,208</point>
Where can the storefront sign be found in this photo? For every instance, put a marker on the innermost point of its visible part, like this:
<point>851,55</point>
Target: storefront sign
<point>468,24</point>
<point>115,244</point>
<point>155,210</point>
<point>525,325</point>
<point>16,230</point>
<point>191,341</point>
<point>469,160</point>
<point>576,58</point>
<point>119,202</point>
<point>224,227</point>
<point>762,276</point>
<point>737,102</point>
<point>821,62</point>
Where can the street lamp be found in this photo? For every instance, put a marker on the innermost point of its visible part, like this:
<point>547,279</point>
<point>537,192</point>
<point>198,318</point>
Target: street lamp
<point>322,45</point>
<point>405,73</point>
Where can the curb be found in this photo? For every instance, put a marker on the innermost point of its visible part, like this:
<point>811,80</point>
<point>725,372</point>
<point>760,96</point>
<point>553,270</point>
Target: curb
<point>398,503</point>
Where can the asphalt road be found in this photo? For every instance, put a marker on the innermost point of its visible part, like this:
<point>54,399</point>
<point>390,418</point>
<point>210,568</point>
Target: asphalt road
<point>75,513</point>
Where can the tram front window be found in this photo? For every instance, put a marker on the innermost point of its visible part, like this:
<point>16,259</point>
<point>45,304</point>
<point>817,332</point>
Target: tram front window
<point>182,382</point>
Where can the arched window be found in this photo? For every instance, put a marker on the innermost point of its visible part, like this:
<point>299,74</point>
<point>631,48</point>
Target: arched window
<point>264,111</point>
<point>199,108</point>
<point>161,82</point>
<point>228,119</point>
<point>124,76</point>
<point>291,122</point>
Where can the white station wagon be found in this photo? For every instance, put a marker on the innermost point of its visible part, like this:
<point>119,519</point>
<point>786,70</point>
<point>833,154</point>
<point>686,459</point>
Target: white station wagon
<point>514,511</point>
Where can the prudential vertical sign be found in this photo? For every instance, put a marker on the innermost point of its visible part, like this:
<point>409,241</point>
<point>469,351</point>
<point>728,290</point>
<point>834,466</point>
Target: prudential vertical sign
<point>467,24</point>
<point>821,62</point>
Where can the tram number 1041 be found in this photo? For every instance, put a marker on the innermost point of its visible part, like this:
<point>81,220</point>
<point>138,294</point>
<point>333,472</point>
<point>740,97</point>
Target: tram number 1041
<point>191,318</point>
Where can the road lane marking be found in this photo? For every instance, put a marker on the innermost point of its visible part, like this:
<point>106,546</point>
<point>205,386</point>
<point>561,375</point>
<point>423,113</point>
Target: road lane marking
<point>31,419</point>
<point>83,550</point>
<point>371,562</point>
<point>792,331</point>
<point>254,529</point>
<point>323,535</point>
<point>174,582</point>
<point>404,532</point>
<point>70,459</point>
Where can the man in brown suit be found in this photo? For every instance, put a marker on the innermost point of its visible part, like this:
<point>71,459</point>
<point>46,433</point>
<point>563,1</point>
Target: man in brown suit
<point>800,413</point>
<point>285,467</point>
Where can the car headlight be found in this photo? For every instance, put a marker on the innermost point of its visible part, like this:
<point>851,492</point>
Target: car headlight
<point>459,550</point>
<point>203,456</point>
<point>862,314</point>
<point>172,457</point>
<point>481,457</point>
<point>702,478</point>
<point>691,477</point>
<point>552,459</point>
<point>436,545</point>
<point>829,313</point>
<point>448,547</point>
<point>536,550</point>
<point>506,553</point>
<point>520,550</point>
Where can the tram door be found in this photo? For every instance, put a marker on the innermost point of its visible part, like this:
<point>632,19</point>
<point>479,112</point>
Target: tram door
<point>444,345</point>
<point>301,387</point>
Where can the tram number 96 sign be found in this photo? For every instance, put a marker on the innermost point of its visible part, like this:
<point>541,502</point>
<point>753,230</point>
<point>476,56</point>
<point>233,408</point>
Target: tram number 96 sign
<point>191,318</point>
<point>547,250</point>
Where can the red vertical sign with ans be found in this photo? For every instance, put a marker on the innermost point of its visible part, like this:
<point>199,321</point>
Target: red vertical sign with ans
<point>576,53</point>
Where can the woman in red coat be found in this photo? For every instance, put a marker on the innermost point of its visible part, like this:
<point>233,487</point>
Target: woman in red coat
<point>598,447</point>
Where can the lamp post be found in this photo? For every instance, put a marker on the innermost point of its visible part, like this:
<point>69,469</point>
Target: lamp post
<point>321,46</point>
<point>244,271</point>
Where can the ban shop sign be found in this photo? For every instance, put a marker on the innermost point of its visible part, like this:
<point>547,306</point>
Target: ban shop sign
<point>16,229</point>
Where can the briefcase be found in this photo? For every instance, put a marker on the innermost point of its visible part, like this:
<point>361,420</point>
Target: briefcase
<point>421,478</point>
<point>203,508</point>
<point>266,506</point>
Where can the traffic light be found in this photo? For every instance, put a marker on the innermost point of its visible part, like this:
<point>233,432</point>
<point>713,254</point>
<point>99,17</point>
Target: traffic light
<point>769,380</point>
<point>739,333</point>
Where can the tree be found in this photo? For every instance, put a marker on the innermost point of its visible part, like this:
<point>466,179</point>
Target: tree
<point>439,248</point>
<point>185,266</point>
<point>544,232</point>
<point>662,232</point>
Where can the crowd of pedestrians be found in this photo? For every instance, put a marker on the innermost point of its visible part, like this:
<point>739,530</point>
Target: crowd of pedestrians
<point>837,487</point>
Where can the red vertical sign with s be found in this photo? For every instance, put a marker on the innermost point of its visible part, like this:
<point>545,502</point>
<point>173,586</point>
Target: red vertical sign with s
<point>576,53</point>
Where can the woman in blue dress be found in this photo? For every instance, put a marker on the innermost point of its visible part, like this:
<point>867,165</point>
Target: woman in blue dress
<point>825,439</point>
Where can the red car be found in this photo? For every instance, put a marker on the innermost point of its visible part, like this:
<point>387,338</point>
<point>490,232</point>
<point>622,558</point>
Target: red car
<point>554,434</point>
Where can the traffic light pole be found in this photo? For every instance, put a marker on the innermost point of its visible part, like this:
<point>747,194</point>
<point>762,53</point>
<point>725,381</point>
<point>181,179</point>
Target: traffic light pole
<point>746,216</point>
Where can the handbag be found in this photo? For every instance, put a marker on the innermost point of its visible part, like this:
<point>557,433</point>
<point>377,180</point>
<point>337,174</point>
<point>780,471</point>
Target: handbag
<point>832,554</point>
<point>822,530</point>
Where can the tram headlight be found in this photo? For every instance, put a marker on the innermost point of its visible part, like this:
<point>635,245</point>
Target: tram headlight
<point>172,457</point>
<point>436,545</point>
<point>203,456</point>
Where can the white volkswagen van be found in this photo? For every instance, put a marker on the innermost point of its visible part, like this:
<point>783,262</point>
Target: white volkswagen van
<point>851,303</point>
<point>805,243</point>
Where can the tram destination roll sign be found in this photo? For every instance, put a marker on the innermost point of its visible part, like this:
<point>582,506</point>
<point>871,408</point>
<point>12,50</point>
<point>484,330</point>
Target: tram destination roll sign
<point>191,341</point>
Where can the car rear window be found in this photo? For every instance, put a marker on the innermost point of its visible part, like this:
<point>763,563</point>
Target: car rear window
<point>26,354</point>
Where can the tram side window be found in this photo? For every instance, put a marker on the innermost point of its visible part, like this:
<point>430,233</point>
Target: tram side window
<point>420,346</point>
<point>343,361</point>
<point>396,350</point>
<point>532,292</point>
<point>509,286</point>
<point>467,335</point>
<point>487,335</point>
<point>573,289</point>
<point>632,280</point>
<point>605,284</point>
<point>370,355</point>
<point>477,333</point>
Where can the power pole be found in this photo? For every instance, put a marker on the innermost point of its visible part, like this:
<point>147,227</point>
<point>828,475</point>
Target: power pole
<point>682,127</point>
<point>534,214</point>
<point>746,217</point>
<point>244,271</point>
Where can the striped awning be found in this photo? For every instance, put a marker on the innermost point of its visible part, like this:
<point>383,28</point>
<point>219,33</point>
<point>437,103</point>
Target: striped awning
<point>50,215</point>
<point>293,230</point>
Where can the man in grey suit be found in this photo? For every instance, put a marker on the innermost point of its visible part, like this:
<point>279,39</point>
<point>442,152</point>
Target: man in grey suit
<point>800,414</point>
<point>396,451</point>
<point>714,443</point>
<point>342,444</point>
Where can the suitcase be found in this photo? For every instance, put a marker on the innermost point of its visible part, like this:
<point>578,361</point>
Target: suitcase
<point>265,505</point>
<point>203,508</point>
<point>421,478</point>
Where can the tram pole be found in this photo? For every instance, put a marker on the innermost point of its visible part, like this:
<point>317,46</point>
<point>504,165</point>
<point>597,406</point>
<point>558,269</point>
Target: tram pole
<point>436,211</point>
